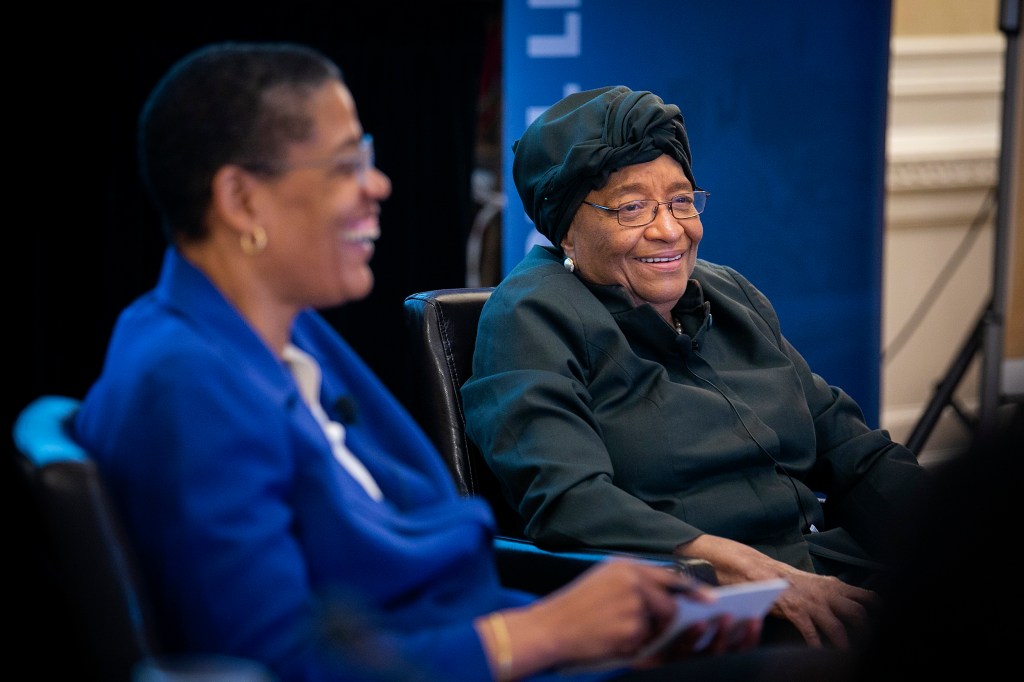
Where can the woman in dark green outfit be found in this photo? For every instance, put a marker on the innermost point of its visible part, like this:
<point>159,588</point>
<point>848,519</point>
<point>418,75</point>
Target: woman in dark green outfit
<point>632,396</point>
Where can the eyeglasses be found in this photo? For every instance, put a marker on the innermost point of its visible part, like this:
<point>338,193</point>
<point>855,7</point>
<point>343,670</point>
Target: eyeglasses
<point>358,163</point>
<point>643,211</point>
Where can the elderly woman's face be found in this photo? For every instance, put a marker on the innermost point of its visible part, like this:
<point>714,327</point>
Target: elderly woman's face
<point>653,262</point>
<point>321,214</point>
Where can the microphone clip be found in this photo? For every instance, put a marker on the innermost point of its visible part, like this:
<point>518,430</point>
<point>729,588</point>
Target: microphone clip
<point>687,344</point>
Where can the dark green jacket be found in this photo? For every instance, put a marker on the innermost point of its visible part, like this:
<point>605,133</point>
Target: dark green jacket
<point>609,430</point>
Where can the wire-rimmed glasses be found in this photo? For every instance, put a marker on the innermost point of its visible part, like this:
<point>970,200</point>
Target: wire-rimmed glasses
<point>641,212</point>
<point>357,163</point>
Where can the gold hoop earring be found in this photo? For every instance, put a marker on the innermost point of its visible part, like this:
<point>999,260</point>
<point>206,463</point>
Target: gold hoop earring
<point>253,242</point>
<point>569,265</point>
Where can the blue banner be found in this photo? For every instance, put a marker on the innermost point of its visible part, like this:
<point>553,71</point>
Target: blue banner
<point>785,108</point>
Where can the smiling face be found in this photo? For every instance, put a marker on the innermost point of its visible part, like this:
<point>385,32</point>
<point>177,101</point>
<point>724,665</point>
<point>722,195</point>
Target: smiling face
<point>653,262</point>
<point>320,210</point>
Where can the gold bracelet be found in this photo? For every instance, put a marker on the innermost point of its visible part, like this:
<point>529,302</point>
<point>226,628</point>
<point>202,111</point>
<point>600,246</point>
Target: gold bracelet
<point>503,644</point>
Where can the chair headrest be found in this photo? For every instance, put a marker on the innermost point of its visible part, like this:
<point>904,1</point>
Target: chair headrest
<point>40,431</point>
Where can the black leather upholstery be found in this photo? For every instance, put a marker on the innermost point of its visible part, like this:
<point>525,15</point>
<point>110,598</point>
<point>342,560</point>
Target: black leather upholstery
<point>442,324</point>
<point>92,562</point>
<point>441,330</point>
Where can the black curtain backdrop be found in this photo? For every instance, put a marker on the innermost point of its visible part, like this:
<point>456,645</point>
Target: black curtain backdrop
<point>415,73</point>
<point>88,242</point>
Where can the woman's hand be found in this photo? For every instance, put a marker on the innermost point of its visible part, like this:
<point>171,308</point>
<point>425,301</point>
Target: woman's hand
<point>822,608</point>
<point>610,612</point>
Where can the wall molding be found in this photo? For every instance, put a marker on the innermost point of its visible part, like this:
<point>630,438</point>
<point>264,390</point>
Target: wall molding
<point>945,104</point>
<point>917,176</point>
<point>942,160</point>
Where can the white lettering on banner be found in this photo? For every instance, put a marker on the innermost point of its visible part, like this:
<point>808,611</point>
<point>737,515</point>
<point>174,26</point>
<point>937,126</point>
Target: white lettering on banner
<point>546,46</point>
<point>552,4</point>
<point>565,45</point>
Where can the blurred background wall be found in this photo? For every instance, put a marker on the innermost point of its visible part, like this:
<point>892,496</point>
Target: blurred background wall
<point>943,147</point>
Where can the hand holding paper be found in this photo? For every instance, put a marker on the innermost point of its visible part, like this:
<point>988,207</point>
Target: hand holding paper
<point>741,601</point>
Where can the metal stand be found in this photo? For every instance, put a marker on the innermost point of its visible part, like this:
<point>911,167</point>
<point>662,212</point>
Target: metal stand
<point>988,333</point>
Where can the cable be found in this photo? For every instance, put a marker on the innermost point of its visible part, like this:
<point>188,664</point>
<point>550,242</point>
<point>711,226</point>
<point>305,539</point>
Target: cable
<point>777,464</point>
<point>984,214</point>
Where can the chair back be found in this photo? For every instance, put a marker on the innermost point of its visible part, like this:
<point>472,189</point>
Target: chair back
<point>441,330</point>
<point>91,559</point>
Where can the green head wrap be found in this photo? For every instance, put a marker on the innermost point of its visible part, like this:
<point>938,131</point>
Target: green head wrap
<point>572,147</point>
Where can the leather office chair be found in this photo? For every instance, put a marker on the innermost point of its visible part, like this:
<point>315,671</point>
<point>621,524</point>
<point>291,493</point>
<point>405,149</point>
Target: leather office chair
<point>92,561</point>
<point>440,327</point>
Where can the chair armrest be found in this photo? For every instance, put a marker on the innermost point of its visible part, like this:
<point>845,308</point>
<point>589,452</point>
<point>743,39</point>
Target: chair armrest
<point>525,566</point>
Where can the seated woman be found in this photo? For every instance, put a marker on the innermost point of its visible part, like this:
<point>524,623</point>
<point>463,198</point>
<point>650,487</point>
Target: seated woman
<point>631,396</point>
<point>285,508</point>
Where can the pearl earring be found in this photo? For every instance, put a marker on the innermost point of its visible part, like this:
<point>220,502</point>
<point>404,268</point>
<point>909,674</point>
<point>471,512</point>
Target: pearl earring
<point>569,265</point>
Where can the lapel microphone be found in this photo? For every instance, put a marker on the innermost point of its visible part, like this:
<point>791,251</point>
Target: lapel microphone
<point>344,410</point>
<point>686,344</point>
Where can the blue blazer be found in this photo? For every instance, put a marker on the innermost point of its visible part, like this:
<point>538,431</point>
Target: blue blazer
<point>253,538</point>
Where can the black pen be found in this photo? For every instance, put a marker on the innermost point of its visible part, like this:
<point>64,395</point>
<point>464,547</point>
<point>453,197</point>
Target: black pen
<point>687,586</point>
